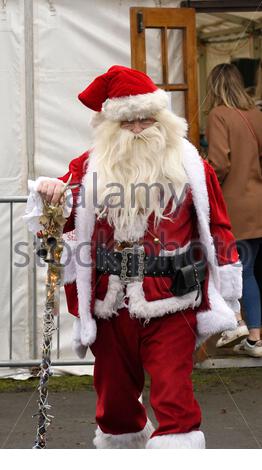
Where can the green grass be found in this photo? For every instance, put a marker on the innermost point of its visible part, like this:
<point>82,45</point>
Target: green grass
<point>65,383</point>
<point>234,379</point>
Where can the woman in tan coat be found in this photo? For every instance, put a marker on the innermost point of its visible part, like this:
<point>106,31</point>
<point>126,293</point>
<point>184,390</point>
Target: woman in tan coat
<point>234,134</point>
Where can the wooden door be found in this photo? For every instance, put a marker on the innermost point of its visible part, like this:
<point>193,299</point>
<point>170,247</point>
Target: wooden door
<point>167,37</point>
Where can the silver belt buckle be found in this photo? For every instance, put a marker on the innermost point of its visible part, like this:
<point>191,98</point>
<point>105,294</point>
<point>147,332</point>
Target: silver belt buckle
<point>136,249</point>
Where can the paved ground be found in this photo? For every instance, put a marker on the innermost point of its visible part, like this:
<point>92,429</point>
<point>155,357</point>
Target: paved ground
<point>231,402</point>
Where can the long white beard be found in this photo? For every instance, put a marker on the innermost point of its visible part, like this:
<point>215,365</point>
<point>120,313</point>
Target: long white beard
<point>127,163</point>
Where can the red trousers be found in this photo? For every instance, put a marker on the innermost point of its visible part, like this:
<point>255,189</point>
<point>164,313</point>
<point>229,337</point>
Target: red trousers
<point>164,347</point>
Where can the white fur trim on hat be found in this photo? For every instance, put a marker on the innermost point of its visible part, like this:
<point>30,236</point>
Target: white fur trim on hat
<point>133,107</point>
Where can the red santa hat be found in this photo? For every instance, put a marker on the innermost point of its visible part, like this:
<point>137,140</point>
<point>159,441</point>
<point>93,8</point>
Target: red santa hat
<point>124,94</point>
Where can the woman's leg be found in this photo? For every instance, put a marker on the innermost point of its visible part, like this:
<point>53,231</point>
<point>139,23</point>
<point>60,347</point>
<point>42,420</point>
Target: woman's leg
<point>258,271</point>
<point>248,250</point>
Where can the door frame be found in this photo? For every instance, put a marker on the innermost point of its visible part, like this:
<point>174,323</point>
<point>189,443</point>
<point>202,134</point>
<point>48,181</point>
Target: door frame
<point>142,18</point>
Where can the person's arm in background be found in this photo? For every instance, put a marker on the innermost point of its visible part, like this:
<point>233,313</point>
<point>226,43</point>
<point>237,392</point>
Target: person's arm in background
<point>218,144</point>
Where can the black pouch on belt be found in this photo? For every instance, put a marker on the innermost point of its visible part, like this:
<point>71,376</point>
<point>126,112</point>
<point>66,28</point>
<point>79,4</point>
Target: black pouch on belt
<point>188,278</point>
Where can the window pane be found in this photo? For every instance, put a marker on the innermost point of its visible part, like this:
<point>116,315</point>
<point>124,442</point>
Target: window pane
<point>153,54</point>
<point>177,102</point>
<point>175,56</point>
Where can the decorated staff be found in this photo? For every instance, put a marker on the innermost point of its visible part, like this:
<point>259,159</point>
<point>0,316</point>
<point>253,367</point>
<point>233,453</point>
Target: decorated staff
<point>50,250</point>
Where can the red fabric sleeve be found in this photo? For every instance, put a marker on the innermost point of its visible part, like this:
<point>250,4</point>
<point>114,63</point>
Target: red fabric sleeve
<point>220,226</point>
<point>77,169</point>
<point>71,298</point>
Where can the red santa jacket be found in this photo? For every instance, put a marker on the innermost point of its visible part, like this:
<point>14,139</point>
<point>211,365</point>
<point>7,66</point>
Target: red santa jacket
<point>202,216</point>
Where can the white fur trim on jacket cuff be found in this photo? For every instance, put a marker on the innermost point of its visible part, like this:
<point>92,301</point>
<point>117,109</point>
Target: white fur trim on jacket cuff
<point>88,332</point>
<point>77,346</point>
<point>234,305</point>
<point>231,280</point>
<point>217,319</point>
<point>188,440</point>
<point>132,440</point>
<point>83,336</point>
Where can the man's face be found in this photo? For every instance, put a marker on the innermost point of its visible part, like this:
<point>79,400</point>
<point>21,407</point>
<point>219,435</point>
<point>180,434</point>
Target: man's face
<point>138,125</point>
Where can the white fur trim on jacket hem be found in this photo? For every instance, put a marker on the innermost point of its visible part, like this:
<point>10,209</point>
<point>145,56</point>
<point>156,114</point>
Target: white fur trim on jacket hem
<point>189,440</point>
<point>107,307</point>
<point>133,440</point>
<point>231,280</point>
<point>133,107</point>
<point>139,307</point>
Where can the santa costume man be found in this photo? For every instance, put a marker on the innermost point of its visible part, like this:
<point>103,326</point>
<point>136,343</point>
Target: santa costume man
<point>154,271</point>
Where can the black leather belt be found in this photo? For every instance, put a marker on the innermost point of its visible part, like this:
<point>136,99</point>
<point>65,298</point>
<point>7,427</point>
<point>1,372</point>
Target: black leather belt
<point>131,265</point>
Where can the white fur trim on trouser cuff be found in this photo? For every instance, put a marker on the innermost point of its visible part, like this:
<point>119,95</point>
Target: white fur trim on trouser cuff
<point>132,440</point>
<point>135,106</point>
<point>188,440</point>
<point>231,280</point>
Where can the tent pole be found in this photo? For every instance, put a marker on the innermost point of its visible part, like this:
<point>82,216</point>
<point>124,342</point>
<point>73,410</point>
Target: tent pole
<point>29,86</point>
<point>30,151</point>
